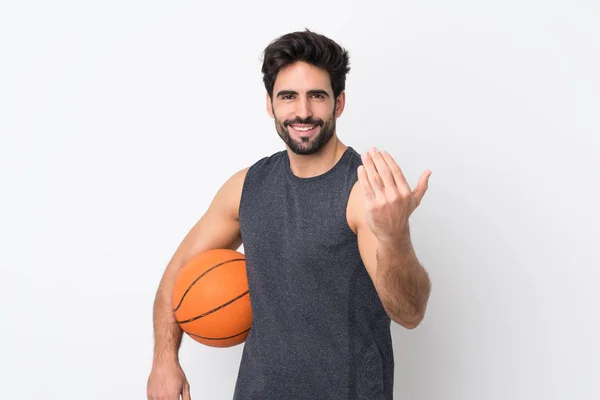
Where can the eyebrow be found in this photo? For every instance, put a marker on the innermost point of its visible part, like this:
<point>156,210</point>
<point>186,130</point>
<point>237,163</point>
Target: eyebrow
<point>310,92</point>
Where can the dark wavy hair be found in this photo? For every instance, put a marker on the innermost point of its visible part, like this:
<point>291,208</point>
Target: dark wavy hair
<point>310,47</point>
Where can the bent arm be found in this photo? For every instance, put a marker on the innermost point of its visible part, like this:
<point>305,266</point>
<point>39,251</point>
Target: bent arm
<point>217,228</point>
<point>402,283</point>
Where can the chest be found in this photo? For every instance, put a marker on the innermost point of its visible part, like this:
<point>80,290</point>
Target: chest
<point>295,218</point>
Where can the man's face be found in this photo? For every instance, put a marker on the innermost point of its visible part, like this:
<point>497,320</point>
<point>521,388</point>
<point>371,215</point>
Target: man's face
<point>303,107</point>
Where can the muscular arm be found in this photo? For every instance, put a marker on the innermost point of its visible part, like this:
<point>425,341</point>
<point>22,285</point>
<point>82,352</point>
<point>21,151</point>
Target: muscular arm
<point>401,282</point>
<point>217,228</point>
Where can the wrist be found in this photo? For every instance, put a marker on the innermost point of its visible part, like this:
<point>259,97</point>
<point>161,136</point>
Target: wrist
<point>165,357</point>
<point>400,246</point>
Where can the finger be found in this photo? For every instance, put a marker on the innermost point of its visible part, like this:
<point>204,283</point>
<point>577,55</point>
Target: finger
<point>364,182</point>
<point>185,395</point>
<point>422,187</point>
<point>372,174</point>
<point>397,173</point>
<point>382,168</point>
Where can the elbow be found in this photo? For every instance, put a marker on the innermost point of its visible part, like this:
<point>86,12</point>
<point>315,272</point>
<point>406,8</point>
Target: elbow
<point>408,314</point>
<point>409,321</point>
<point>408,317</point>
<point>412,318</point>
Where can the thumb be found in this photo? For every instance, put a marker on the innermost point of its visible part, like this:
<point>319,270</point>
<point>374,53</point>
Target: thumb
<point>185,395</point>
<point>422,187</point>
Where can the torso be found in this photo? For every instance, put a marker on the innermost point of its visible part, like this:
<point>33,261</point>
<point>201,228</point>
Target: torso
<point>319,329</point>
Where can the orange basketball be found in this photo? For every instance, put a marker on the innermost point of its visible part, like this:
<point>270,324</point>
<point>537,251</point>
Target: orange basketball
<point>211,299</point>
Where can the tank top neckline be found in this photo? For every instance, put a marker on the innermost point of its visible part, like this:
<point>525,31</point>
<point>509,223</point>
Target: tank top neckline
<point>315,178</point>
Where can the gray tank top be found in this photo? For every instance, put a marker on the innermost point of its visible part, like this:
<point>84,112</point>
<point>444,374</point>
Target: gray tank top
<point>319,330</point>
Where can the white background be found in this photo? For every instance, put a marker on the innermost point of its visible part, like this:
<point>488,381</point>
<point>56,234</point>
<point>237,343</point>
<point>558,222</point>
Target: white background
<point>119,120</point>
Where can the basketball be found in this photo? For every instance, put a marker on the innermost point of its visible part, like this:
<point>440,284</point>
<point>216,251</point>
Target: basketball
<point>211,300</point>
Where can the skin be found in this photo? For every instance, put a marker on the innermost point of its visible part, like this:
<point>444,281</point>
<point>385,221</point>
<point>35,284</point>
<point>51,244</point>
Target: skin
<point>379,207</point>
<point>303,91</point>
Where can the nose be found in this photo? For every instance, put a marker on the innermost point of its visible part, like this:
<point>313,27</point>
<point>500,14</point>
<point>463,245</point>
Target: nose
<point>303,109</point>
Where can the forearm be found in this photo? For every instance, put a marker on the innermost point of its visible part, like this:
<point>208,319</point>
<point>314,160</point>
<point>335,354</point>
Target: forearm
<point>402,283</point>
<point>167,333</point>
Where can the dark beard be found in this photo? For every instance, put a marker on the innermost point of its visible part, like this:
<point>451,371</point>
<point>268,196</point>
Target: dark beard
<point>306,145</point>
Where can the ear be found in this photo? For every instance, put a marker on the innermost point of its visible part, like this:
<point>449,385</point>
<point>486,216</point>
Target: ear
<point>340,103</point>
<point>270,106</point>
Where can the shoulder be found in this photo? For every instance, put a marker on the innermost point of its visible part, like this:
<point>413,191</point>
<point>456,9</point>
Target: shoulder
<point>236,181</point>
<point>230,193</point>
<point>267,163</point>
<point>227,198</point>
<point>355,209</point>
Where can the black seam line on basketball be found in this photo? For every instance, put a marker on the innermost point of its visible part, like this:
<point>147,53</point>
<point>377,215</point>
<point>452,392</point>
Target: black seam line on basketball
<point>198,278</point>
<point>214,309</point>
<point>219,338</point>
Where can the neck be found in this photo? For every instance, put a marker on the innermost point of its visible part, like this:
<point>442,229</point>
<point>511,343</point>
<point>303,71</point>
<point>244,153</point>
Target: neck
<point>308,166</point>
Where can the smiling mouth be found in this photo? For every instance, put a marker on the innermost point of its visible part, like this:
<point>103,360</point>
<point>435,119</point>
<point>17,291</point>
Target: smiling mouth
<point>303,129</point>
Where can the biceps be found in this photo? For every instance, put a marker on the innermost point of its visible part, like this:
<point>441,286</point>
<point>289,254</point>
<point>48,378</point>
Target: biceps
<point>213,231</point>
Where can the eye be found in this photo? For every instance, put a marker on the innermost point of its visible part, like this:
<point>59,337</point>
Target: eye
<point>318,96</point>
<point>287,97</point>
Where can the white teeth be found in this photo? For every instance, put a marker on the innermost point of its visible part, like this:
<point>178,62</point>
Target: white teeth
<point>303,129</point>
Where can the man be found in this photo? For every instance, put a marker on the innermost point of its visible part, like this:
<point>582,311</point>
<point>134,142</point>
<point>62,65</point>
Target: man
<point>327,243</point>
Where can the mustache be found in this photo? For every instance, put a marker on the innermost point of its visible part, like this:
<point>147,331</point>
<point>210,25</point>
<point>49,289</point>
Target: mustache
<point>306,121</point>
